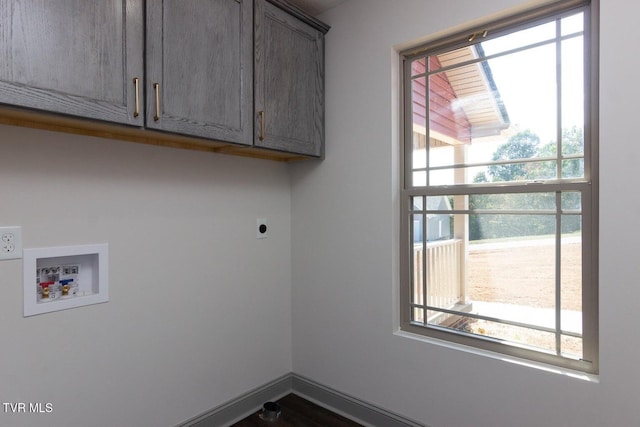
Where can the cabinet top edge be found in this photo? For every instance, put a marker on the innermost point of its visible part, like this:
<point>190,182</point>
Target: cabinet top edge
<point>301,15</point>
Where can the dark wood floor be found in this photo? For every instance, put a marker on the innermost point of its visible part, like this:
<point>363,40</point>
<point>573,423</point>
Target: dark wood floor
<point>299,412</point>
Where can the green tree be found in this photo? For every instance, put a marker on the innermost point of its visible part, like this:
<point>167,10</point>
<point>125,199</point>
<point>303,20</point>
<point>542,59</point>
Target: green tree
<point>480,177</point>
<point>522,145</point>
<point>572,143</point>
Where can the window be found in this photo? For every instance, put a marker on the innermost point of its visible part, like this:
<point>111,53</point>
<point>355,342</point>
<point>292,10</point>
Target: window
<point>499,195</point>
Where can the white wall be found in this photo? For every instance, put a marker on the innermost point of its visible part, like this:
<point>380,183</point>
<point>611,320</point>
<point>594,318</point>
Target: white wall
<point>200,311</point>
<point>344,213</point>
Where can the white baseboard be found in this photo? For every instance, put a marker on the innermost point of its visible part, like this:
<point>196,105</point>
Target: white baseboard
<point>349,406</point>
<point>242,406</point>
<point>334,400</point>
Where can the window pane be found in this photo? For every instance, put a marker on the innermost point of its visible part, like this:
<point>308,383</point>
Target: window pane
<point>417,203</point>
<point>523,171</point>
<point>572,96</point>
<point>419,133</point>
<point>443,273</point>
<point>441,155</point>
<point>418,274</point>
<point>571,279</point>
<point>419,179</point>
<point>449,176</point>
<point>509,172</point>
<point>526,81</point>
<point>419,154</point>
<point>514,202</point>
<point>418,244</point>
<point>515,269</point>
<point>418,67</point>
<point>571,202</point>
<point>573,24</point>
<point>417,315</point>
<point>573,168</point>
<point>543,340</point>
<point>571,346</point>
<point>571,268</point>
<point>417,260</point>
<point>520,38</point>
<point>419,105</point>
<point>452,58</point>
<point>448,121</point>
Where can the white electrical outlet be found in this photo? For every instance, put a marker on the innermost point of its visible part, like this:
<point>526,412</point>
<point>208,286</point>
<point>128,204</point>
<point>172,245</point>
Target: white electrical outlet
<point>10,243</point>
<point>262,228</point>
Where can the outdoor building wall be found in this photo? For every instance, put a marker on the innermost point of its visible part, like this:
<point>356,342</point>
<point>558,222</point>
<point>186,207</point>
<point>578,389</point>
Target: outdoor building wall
<point>199,310</point>
<point>441,119</point>
<point>345,238</point>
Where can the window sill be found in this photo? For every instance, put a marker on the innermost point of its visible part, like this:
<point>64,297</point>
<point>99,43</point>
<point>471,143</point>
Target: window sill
<point>592,378</point>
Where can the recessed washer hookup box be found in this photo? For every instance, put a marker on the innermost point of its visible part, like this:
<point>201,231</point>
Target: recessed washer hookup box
<point>59,278</point>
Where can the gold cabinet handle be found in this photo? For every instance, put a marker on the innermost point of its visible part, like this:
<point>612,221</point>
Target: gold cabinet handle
<point>156,88</point>
<point>136,83</point>
<point>261,137</point>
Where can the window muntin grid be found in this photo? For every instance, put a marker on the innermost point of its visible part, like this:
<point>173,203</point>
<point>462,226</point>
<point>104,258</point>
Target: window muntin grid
<point>557,175</point>
<point>541,80</point>
<point>545,226</point>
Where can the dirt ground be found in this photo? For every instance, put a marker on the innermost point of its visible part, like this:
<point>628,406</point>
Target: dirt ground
<point>525,276</point>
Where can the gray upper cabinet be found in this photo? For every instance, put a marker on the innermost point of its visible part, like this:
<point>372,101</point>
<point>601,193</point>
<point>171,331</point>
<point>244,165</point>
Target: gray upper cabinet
<point>289,82</point>
<point>199,77</point>
<point>77,57</point>
<point>232,73</point>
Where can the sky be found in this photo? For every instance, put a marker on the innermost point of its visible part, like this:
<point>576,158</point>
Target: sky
<point>527,83</point>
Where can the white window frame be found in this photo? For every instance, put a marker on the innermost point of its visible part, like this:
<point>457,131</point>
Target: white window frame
<point>587,186</point>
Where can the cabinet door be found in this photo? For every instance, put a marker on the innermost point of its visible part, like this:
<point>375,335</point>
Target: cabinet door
<point>77,57</point>
<point>289,79</point>
<point>199,68</point>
